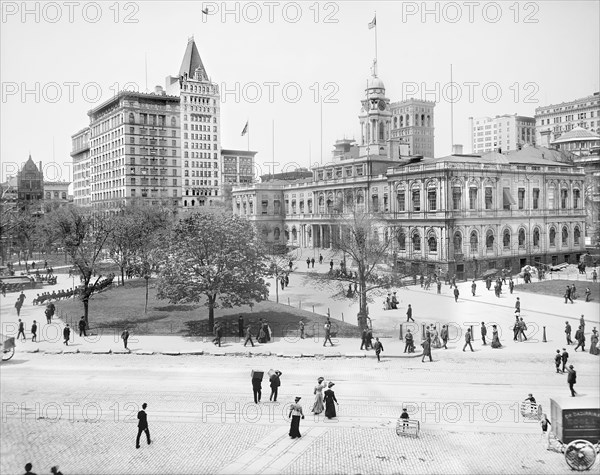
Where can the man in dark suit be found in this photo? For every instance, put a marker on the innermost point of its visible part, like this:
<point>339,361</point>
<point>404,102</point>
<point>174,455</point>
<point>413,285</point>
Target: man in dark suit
<point>408,340</point>
<point>142,426</point>
<point>580,337</point>
<point>564,357</point>
<point>572,379</point>
<point>275,383</point>
<point>483,332</point>
<point>256,389</point>
<point>568,333</point>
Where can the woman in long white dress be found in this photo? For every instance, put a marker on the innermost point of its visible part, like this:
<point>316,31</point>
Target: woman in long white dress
<point>318,406</point>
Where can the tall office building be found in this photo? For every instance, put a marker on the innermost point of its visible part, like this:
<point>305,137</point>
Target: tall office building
<point>80,153</point>
<point>554,120</point>
<point>503,133</point>
<point>134,150</point>
<point>200,130</point>
<point>412,124</point>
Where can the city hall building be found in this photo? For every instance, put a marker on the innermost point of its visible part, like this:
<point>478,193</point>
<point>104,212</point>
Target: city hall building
<point>462,213</point>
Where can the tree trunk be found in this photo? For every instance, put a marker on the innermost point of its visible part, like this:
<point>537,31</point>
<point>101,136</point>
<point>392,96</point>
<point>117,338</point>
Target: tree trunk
<point>86,304</point>
<point>211,312</point>
<point>123,279</point>
<point>146,306</point>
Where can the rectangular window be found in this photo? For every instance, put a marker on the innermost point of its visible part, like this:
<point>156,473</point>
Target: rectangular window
<point>576,196</point>
<point>521,197</point>
<point>401,197</point>
<point>506,198</point>
<point>488,198</point>
<point>563,198</point>
<point>416,199</point>
<point>536,198</point>
<point>265,206</point>
<point>551,204</point>
<point>472,198</point>
<point>456,197</point>
<point>432,199</point>
<point>277,206</point>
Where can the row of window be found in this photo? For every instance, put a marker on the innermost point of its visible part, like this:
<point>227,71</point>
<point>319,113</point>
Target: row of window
<point>56,194</point>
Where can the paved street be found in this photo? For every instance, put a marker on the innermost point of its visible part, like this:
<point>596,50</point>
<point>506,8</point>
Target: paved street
<point>71,407</point>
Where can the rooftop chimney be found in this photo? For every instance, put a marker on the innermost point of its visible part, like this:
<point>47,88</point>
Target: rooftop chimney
<point>457,149</point>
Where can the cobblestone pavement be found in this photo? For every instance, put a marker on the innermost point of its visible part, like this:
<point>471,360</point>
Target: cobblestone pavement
<point>79,412</point>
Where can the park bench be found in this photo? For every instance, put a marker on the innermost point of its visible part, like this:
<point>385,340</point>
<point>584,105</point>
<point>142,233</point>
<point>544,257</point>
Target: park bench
<point>408,427</point>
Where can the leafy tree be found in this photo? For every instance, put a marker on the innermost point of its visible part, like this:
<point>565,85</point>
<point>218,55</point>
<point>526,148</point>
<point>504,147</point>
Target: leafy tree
<point>132,231</point>
<point>360,240</point>
<point>214,255</point>
<point>84,237</point>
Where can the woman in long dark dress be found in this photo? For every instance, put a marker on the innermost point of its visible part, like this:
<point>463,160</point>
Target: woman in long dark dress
<point>330,402</point>
<point>295,415</point>
<point>495,338</point>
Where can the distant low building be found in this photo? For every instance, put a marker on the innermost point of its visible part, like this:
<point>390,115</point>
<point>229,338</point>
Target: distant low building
<point>56,195</point>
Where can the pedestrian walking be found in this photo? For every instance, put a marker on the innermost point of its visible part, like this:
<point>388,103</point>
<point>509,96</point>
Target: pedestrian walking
<point>142,426</point>
<point>318,406</point>
<point>330,401</point>
<point>518,306</point>
<point>468,339</point>
<point>568,333</point>
<point>295,415</point>
<point>21,330</point>
<point>301,330</point>
<point>125,337</point>
<point>82,327</point>
<point>18,305</point>
<point>444,336</point>
<point>568,294</point>
<point>218,332</point>
<point>473,287</point>
<point>22,298</point>
<point>522,329</point>
<point>594,343</point>
<point>594,276</point>
<point>572,379</point>
<point>580,337</point>
<point>364,342</point>
<point>257,389</point>
<point>495,338</point>
<point>426,344</point>
<point>573,292</point>
<point>308,262</point>
<point>564,357</point>
<point>516,328</point>
<point>557,361</point>
<point>67,334</point>
<point>511,285</point>
<point>588,294</point>
<point>545,434</point>
<point>34,332</point>
<point>409,342</point>
<point>378,348</point>
<point>409,317</point>
<point>241,327</point>
<point>327,327</point>
<point>483,332</point>
<point>28,468</point>
<point>275,382</point>
<point>248,336</point>
<point>312,262</point>
<point>456,293</point>
<point>582,323</point>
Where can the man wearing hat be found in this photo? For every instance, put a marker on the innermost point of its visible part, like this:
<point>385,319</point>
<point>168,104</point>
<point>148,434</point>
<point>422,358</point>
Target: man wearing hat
<point>295,414</point>
<point>564,356</point>
<point>572,379</point>
<point>275,383</point>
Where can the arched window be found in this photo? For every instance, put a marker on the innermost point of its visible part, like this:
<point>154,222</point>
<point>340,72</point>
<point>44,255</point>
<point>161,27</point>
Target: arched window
<point>521,237</point>
<point>565,236</point>
<point>473,241</point>
<point>416,239</point>
<point>576,236</point>
<point>489,240</point>
<point>360,199</point>
<point>536,237</point>
<point>286,233</point>
<point>432,243</point>
<point>276,234</point>
<point>506,239</point>
<point>552,237</point>
<point>402,241</point>
<point>294,234</point>
<point>457,243</point>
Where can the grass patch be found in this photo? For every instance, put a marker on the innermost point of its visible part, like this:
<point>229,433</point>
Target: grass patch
<point>557,288</point>
<point>120,307</point>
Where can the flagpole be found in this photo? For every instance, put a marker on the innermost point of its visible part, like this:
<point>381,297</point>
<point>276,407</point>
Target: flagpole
<point>248,122</point>
<point>451,112</point>
<point>375,42</point>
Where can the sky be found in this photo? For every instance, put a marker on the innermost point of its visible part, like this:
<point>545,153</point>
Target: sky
<point>296,71</point>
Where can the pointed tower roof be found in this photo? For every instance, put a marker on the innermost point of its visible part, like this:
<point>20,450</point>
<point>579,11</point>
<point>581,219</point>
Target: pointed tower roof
<point>30,164</point>
<point>191,60</point>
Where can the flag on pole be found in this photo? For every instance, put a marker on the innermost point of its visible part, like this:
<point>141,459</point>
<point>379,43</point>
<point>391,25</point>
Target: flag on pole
<point>373,23</point>
<point>245,129</point>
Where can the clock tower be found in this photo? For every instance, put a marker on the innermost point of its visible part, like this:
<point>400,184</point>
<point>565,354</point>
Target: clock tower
<point>375,117</point>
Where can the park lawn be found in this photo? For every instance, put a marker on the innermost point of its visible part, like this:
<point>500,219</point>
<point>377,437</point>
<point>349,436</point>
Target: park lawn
<point>557,287</point>
<point>120,307</point>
